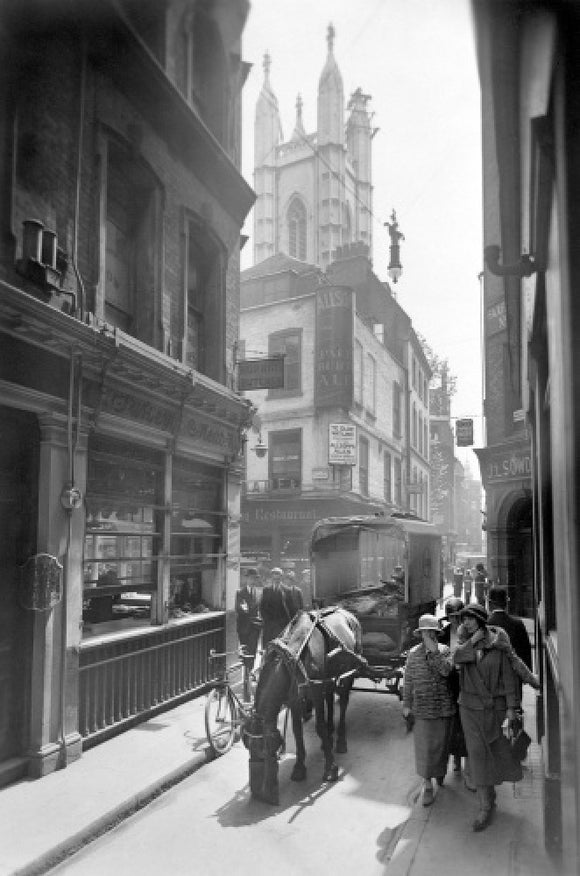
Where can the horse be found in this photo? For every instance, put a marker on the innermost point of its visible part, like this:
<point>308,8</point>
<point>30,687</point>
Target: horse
<point>317,654</point>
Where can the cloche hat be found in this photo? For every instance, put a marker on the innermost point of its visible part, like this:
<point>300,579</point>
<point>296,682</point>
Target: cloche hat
<point>427,622</point>
<point>454,606</point>
<point>476,611</point>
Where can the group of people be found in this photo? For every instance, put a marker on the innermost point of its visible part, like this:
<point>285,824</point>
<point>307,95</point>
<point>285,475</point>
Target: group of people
<point>462,682</point>
<point>266,613</point>
<point>465,582</point>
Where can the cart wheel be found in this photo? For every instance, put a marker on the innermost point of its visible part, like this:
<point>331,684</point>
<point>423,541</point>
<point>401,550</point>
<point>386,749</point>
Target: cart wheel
<point>220,720</point>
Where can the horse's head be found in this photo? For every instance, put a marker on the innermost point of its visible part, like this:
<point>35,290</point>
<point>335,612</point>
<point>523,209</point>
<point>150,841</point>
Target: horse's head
<point>274,687</point>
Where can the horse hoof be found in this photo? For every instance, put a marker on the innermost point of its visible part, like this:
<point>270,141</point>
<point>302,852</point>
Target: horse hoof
<point>331,775</point>
<point>341,746</point>
<point>298,774</point>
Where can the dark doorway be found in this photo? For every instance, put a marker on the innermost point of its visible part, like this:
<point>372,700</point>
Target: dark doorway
<point>19,444</point>
<point>521,564</point>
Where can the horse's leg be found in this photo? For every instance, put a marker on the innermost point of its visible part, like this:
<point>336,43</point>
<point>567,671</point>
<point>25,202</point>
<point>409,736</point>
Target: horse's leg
<point>343,698</point>
<point>298,774</point>
<point>330,773</point>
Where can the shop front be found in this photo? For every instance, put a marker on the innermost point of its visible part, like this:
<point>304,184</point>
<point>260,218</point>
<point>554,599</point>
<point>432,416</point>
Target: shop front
<point>506,476</point>
<point>123,474</point>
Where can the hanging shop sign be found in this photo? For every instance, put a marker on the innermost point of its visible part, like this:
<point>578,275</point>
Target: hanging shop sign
<point>341,444</point>
<point>464,433</point>
<point>261,374</point>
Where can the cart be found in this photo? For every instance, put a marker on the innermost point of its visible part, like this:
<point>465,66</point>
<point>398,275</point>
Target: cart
<point>386,570</point>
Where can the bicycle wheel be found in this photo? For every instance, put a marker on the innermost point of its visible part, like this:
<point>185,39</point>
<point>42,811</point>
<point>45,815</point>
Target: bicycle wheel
<point>220,719</point>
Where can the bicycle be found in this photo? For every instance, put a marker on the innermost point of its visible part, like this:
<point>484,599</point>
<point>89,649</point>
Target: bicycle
<point>225,712</point>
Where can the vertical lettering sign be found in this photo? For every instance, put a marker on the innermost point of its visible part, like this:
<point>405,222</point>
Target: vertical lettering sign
<point>333,376</point>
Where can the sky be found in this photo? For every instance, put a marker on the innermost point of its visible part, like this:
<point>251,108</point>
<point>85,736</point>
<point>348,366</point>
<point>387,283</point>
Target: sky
<point>416,58</point>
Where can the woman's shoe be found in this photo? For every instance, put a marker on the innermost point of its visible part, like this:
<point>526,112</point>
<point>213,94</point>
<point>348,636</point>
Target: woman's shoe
<point>440,780</point>
<point>427,795</point>
<point>456,764</point>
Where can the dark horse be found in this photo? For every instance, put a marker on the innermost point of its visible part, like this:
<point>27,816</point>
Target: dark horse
<point>317,655</point>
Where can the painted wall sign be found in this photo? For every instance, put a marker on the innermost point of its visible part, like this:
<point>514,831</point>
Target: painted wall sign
<point>511,466</point>
<point>341,444</point>
<point>261,374</point>
<point>333,357</point>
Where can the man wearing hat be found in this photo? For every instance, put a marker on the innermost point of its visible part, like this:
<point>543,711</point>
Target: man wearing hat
<point>489,694</point>
<point>428,698</point>
<point>247,612</point>
<point>274,607</point>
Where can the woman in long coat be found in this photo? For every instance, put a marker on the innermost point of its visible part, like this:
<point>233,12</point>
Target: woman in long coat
<point>489,694</point>
<point>428,698</point>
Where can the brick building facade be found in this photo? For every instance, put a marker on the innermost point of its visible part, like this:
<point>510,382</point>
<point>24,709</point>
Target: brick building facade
<point>122,203</point>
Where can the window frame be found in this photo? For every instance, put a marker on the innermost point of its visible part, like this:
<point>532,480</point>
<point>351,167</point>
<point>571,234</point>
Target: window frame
<point>274,349</point>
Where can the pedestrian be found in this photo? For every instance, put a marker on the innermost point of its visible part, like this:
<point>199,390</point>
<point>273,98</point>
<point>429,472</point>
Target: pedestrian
<point>480,581</point>
<point>428,699</point>
<point>450,637</point>
<point>274,607</point>
<point>488,695</point>
<point>248,622</point>
<point>514,626</point>
<point>295,600</point>
<point>458,582</point>
<point>467,585</point>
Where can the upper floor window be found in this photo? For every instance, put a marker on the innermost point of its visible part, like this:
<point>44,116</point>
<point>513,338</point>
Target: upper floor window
<point>388,488</point>
<point>397,423</point>
<point>414,426</point>
<point>203,338</point>
<point>370,392</point>
<point>358,372</point>
<point>288,343</point>
<point>297,229</point>
<point>132,242</point>
<point>398,481</point>
<point>414,372</point>
<point>363,466</point>
<point>285,459</point>
<point>201,70</point>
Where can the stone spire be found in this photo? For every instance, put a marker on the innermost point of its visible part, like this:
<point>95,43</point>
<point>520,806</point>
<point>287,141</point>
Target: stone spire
<point>299,133</point>
<point>330,97</point>
<point>268,127</point>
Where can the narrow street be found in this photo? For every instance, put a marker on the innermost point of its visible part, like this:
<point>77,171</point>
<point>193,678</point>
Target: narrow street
<point>344,828</point>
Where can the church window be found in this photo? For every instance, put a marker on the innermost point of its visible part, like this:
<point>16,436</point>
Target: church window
<point>297,230</point>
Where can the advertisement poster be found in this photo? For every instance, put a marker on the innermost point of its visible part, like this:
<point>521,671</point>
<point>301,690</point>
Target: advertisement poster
<point>334,342</point>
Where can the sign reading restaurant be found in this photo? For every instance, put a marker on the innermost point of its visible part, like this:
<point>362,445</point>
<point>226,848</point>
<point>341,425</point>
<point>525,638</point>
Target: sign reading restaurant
<point>341,444</point>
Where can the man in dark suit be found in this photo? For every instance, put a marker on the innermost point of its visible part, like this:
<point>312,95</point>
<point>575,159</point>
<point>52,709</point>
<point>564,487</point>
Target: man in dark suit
<point>514,626</point>
<point>295,598</point>
<point>247,613</point>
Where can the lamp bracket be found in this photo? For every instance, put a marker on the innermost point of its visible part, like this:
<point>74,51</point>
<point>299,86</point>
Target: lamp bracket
<point>524,268</point>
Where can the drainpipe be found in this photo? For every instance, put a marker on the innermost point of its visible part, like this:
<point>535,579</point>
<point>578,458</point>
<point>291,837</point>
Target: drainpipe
<point>82,95</point>
<point>71,500</point>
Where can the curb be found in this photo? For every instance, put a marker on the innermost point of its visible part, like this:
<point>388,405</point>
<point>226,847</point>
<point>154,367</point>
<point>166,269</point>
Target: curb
<point>45,862</point>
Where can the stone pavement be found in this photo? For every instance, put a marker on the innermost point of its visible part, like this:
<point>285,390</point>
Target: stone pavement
<point>44,821</point>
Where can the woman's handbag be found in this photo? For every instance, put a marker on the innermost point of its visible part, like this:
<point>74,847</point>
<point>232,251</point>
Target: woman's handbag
<point>520,743</point>
<point>509,769</point>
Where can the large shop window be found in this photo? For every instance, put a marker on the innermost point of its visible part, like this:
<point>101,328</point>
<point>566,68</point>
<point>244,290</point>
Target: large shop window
<point>123,535</point>
<point>286,460</point>
<point>196,538</point>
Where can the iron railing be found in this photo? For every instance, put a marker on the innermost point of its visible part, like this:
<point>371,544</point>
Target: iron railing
<point>124,681</point>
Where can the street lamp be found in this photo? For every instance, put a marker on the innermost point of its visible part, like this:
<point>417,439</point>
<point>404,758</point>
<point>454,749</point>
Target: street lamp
<point>395,268</point>
<point>260,449</point>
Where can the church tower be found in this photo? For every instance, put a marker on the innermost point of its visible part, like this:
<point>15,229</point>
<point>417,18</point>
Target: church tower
<point>314,192</point>
<point>267,136</point>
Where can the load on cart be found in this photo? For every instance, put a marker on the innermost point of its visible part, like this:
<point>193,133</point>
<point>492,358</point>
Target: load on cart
<point>386,570</point>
